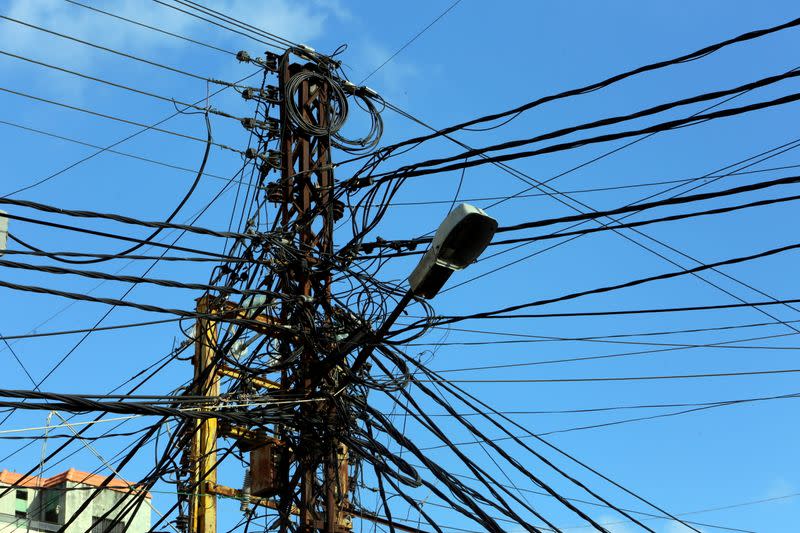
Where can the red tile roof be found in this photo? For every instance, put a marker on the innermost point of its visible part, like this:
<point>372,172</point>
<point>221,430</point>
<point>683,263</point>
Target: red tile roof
<point>71,475</point>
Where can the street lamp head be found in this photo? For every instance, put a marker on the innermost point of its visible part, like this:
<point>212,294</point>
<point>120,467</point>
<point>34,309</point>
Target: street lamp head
<point>459,241</point>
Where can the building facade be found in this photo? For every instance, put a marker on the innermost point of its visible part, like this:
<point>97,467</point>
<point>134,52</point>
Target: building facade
<point>41,504</point>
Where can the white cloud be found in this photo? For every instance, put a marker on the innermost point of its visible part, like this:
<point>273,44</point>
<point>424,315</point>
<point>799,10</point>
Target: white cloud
<point>780,487</point>
<point>336,7</point>
<point>614,525</point>
<point>675,527</point>
<point>281,17</point>
<point>393,79</point>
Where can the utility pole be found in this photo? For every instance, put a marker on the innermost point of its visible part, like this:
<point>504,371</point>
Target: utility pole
<point>307,212</point>
<point>301,471</point>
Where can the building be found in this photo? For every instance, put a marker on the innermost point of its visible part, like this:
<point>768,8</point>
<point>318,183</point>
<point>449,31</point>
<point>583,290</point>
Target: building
<point>41,504</point>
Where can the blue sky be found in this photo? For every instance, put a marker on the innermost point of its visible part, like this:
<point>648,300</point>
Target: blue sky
<point>480,58</point>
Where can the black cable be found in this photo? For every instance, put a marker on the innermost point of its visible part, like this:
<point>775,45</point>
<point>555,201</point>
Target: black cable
<point>623,378</point>
<point>629,407</point>
<point>115,152</point>
<point>410,41</point>
<point>189,228</point>
<point>609,81</point>
<point>119,85</point>
<point>463,398</point>
<point>669,348</point>
<point>159,30</point>
<point>119,53</point>
<point>671,218</point>
<point>276,44</point>
<point>225,290</point>
<point>134,257</point>
<point>627,284</point>
<point>117,119</point>
<point>116,302</point>
<point>506,456</point>
<point>681,181</point>
<point>100,234</point>
<point>653,310</point>
<point>676,200</point>
<point>410,171</point>
<point>236,22</point>
<point>628,208</point>
<point>608,227</point>
<point>764,82</point>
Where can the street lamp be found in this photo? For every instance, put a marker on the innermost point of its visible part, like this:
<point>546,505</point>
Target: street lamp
<point>460,239</point>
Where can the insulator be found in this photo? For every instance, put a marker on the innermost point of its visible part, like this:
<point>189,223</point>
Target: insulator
<point>274,192</point>
<point>271,61</point>
<point>274,158</point>
<point>245,505</point>
<point>182,523</point>
<point>270,92</point>
<point>271,125</point>
<point>271,161</point>
<point>338,210</point>
<point>243,56</point>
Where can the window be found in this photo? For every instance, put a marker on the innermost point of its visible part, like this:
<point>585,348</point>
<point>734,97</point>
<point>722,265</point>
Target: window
<point>107,526</point>
<point>50,506</point>
<point>21,504</point>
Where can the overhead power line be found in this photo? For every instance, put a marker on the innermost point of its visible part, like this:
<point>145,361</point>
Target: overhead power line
<point>118,52</point>
<point>126,219</point>
<point>610,121</point>
<point>628,284</point>
<point>159,30</point>
<point>609,188</point>
<point>117,152</point>
<point>703,52</point>
<point>628,208</point>
<point>411,171</point>
<point>120,85</point>
<point>410,41</point>
<point>620,312</point>
<point>620,378</point>
<point>230,24</point>
<point>111,146</point>
<point>4,263</point>
<point>115,118</point>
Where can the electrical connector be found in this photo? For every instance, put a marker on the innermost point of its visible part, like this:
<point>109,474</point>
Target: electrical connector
<point>369,92</point>
<point>271,125</point>
<point>271,61</point>
<point>269,93</point>
<point>349,87</point>
<point>305,52</point>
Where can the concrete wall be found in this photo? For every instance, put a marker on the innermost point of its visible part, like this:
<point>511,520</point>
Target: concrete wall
<point>69,502</point>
